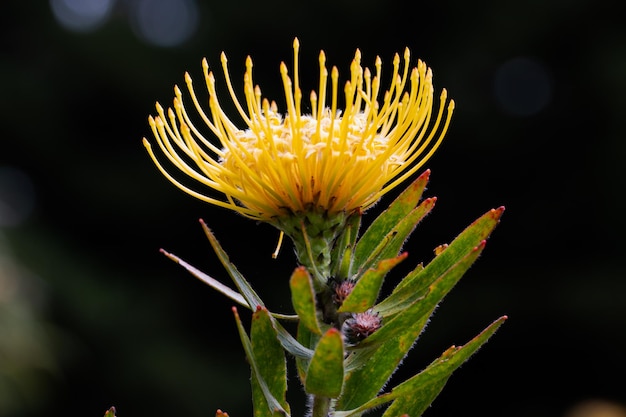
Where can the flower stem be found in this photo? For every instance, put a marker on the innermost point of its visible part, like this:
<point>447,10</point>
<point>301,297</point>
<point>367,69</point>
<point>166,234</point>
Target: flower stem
<point>321,406</point>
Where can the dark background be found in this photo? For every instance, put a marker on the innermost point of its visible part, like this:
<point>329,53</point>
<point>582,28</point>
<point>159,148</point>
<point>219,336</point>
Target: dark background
<point>91,315</point>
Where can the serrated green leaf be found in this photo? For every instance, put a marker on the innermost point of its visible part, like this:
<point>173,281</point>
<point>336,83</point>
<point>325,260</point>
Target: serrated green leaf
<point>388,345</point>
<point>389,218</point>
<point>274,406</point>
<point>324,376</point>
<point>389,246</point>
<point>366,289</point>
<point>303,299</point>
<point>270,360</point>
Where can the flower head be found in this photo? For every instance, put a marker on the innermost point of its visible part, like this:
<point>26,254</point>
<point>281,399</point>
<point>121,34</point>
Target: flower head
<point>329,160</point>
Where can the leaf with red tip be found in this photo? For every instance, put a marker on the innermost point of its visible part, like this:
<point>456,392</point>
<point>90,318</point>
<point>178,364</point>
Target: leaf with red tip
<point>389,219</point>
<point>303,299</point>
<point>380,354</point>
<point>416,284</point>
<point>366,289</point>
<point>389,245</point>
<point>415,395</point>
<point>110,412</point>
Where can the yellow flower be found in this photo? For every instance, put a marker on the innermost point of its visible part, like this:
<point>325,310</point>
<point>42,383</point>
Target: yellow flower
<point>314,158</point>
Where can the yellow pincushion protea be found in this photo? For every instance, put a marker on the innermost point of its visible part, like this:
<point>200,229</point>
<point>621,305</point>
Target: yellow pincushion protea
<point>330,161</point>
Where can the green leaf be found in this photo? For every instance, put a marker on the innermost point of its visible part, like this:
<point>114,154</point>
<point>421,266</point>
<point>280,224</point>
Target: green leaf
<point>389,246</point>
<point>291,345</point>
<point>252,299</point>
<point>242,284</point>
<point>324,376</point>
<point>273,405</point>
<point>305,338</point>
<point>388,345</point>
<point>465,242</point>
<point>412,290</point>
<point>303,299</point>
<point>366,289</point>
<point>389,218</point>
<point>413,396</point>
<point>416,284</point>
<point>341,256</point>
<point>407,280</point>
<point>110,412</point>
<point>271,363</point>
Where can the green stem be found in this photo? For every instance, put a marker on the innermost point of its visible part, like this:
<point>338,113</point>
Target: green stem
<point>321,406</point>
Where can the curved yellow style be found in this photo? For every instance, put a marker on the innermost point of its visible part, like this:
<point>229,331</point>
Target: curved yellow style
<point>332,160</point>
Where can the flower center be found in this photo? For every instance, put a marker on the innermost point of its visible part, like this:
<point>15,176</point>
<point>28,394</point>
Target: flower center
<point>323,146</point>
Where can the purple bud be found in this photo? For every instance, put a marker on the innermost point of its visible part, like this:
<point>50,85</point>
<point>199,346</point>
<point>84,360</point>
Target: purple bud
<point>341,290</point>
<point>361,325</point>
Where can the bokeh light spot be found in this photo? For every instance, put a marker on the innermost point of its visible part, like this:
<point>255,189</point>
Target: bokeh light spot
<point>17,197</point>
<point>165,23</point>
<point>522,86</point>
<point>81,15</point>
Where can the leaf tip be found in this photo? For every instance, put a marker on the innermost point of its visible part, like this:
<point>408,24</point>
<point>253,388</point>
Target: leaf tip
<point>333,332</point>
<point>170,256</point>
<point>497,212</point>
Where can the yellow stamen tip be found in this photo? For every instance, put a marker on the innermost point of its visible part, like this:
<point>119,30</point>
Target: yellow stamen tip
<point>278,245</point>
<point>333,159</point>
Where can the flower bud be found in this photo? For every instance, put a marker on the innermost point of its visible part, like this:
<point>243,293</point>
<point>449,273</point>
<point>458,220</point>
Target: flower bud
<point>361,325</point>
